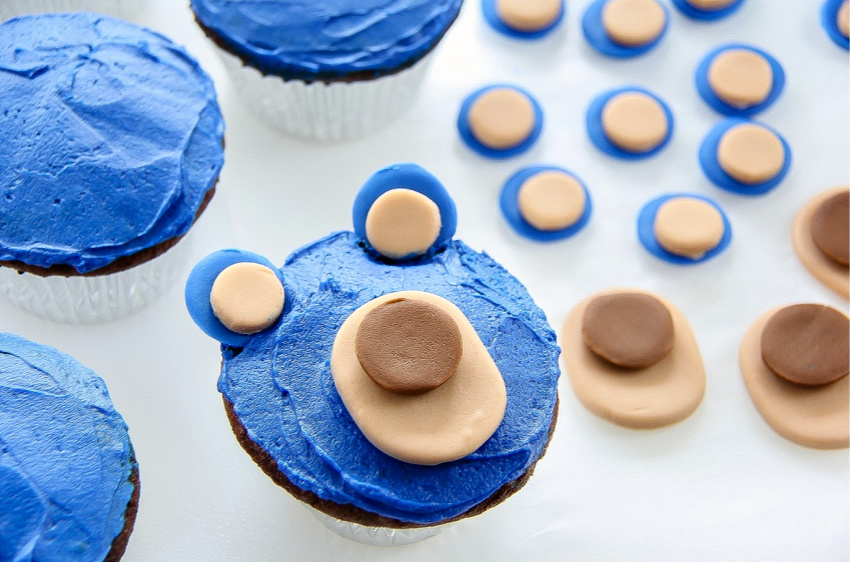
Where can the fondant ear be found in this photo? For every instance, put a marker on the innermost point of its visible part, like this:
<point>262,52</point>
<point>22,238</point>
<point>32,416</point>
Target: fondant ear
<point>232,295</point>
<point>407,206</point>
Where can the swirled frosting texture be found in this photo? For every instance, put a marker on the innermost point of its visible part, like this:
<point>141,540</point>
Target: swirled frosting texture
<point>281,386</point>
<point>65,457</point>
<point>110,137</point>
<point>315,39</point>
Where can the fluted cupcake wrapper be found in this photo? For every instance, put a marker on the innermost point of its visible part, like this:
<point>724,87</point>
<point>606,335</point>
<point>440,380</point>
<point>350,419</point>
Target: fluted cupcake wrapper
<point>376,536</point>
<point>117,8</point>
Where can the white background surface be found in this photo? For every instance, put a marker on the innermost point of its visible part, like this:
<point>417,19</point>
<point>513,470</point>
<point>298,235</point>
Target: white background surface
<point>719,486</point>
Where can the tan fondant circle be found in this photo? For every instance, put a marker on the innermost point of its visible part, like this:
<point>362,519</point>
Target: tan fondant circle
<point>634,121</point>
<point>687,226</point>
<point>660,395</point>
<point>817,417</point>
<point>633,23</point>
<point>710,5</point>
<point>740,77</point>
<point>247,297</point>
<point>551,200</point>
<point>528,15</point>
<point>501,118</point>
<point>750,153</point>
<point>402,223</point>
<point>843,18</point>
<point>831,227</point>
<point>445,424</point>
<point>832,274</point>
<point>408,346</point>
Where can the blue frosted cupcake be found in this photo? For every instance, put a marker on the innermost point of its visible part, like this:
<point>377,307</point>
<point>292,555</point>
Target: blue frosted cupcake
<point>328,69</point>
<point>111,140</point>
<point>458,366</point>
<point>69,482</point>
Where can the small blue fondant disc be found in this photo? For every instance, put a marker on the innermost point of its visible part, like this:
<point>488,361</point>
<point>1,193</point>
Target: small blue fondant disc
<point>508,201</point>
<point>594,32</point>
<point>199,285</point>
<point>596,131</point>
<point>829,21</point>
<point>488,7</point>
<point>706,15</point>
<point>708,95</point>
<point>473,143</point>
<point>713,171</point>
<point>646,231</point>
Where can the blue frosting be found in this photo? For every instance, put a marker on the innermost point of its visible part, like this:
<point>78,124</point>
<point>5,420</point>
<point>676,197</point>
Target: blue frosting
<point>282,389</point>
<point>110,137</point>
<point>65,457</point>
<point>491,15</point>
<point>508,201</point>
<point>597,37</point>
<point>469,139</point>
<point>308,40</point>
<point>596,131</point>
<point>707,15</point>
<point>829,22</point>
<point>708,95</point>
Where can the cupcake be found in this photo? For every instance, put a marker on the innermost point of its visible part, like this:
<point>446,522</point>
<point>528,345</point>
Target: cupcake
<point>326,70</point>
<point>69,482</point>
<point>111,139</point>
<point>391,378</point>
<point>117,8</point>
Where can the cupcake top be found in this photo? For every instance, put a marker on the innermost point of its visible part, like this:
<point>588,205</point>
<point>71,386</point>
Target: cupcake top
<point>110,138</point>
<point>66,463</point>
<point>290,384</point>
<point>307,40</point>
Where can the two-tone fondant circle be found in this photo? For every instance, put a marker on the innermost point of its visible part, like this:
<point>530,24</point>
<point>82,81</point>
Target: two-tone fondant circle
<point>524,19</point>
<point>820,235</point>
<point>684,228</point>
<point>739,79</point>
<point>500,121</point>
<point>835,20</point>
<point>624,28</point>
<point>631,123</point>
<point>744,157</point>
<point>708,10</point>
<point>545,203</point>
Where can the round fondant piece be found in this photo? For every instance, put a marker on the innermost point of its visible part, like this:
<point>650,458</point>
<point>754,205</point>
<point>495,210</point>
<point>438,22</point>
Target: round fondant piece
<point>635,121</point>
<point>408,346</point>
<point>402,223</point>
<point>741,77</point>
<point>247,297</point>
<point>813,416</point>
<point>711,5</point>
<point>551,200</point>
<point>501,118</point>
<point>826,270</point>
<point>807,344</point>
<point>688,226</point>
<point>630,330</point>
<point>831,227</point>
<point>834,23</point>
<point>633,23</point>
<point>707,10</point>
<point>842,18</point>
<point>529,15</point>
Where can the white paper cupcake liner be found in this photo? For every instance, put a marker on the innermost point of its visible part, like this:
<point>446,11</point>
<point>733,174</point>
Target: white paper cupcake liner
<point>92,300</point>
<point>118,8</point>
<point>376,536</point>
<point>326,112</point>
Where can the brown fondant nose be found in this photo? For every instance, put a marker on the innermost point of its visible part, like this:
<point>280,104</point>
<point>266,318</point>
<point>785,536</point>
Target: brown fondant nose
<point>631,330</point>
<point>408,346</point>
<point>807,344</point>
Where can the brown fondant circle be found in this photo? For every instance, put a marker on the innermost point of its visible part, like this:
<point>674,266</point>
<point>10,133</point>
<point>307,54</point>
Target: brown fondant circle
<point>501,118</point>
<point>402,223</point>
<point>634,121</point>
<point>528,15</point>
<point>710,5</point>
<point>408,346</point>
<point>740,77</point>
<point>247,297</point>
<point>843,18</point>
<point>807,344</point>
<point>687,226</point>
<point>750,153</point>
<point>551,200</point>
<point>831,227</point>
<point>631,330</point>
<point>633,23</point>
<point>830,273</point>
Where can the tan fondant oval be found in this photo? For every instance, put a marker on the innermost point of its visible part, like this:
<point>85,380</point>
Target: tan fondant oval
<point>751,153</point>
<point>501,118</point>
<point>817,417</point>
<point>843,18</point>
<point>247,297</point>
<point>634,121</point>
<point>660,395</point>
<point>633,23</point>
<point>710,5</point>
<point>445,424</point>
<point>828,272</point>
<point>551,200</point>
<point>402,222</point>
<point>528,15</point>
<point>740,77</point>
<point>688,226</point>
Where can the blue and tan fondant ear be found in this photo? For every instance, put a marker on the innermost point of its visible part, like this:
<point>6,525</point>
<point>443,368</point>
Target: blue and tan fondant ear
<point>403,212</point>
<point>232,295</point>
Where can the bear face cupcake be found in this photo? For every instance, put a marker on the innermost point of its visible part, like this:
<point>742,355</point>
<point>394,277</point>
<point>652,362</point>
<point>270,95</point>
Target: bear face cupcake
<point>111,139</point>
<point>69,482</point>
<point>458,363</point>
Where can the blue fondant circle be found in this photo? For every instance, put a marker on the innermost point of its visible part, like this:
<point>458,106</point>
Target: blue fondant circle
<point>596,131</point>
<point>491,15</point>
<point>473,143</point>
<point>199,285</point>
<point>646,230</point>
<point>508,201</point>
<point>594,32</point>
<point>408,176</point>
<point>713,171</point>
<point>828,17</point>
<point>707,15</point>
<point>708,95</point>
